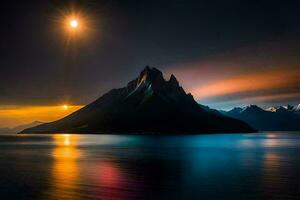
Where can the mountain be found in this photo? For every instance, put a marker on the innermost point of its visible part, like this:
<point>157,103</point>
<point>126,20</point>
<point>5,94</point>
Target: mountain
<point>22,127</point>
<point>297,108</point>
<point>287,108</point>
<point>276,118</point>
<point>148,104</point>
<point>5,130</point>
<point>19,128</point>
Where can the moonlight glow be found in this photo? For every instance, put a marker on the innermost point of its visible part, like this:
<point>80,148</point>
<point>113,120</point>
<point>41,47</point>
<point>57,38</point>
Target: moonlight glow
<point>74,23</point>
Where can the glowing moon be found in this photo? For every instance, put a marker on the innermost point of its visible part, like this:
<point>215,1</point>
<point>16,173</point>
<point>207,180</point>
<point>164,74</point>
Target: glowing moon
<point>74,23</point>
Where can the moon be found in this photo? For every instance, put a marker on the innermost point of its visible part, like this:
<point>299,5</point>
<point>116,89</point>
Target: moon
<point>74,23</point>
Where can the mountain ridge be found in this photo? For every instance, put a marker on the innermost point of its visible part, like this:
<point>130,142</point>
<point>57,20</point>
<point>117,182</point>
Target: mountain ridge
<point>146,104</point>
<point>19,128</point>
<point>275,118</point>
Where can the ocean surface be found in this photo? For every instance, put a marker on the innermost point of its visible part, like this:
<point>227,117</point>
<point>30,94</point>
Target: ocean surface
<point>79,167</point>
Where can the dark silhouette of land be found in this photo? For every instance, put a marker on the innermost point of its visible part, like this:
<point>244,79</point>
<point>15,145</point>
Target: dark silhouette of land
<point>277,118</point>
<point>148,104</point>
<point>19,128</point>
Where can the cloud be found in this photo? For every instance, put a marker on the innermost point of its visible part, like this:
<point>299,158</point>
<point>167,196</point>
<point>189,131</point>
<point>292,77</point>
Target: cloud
<point>250,82</point>
<point>264,73</point>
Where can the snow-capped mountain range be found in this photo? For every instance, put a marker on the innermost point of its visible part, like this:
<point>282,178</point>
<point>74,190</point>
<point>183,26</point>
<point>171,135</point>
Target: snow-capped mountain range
<point>275,118</point>
<point>284,108</point>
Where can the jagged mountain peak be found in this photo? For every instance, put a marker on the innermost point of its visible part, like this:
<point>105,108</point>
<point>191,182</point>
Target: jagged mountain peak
<point>152,75</point>
<point>272,109</point>
<point>173,80</point>
<point>287,108</point>
<point>236,110</point>
<point>252,108</point>
<point>149,75</point>
<point>297,108</point>
<point>147,78</point>
<point>249,108</point>
<point>151,82</point>
<point>275,118</point>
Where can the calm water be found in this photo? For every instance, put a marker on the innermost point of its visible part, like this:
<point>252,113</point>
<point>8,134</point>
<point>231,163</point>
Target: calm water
<point>229,166</point>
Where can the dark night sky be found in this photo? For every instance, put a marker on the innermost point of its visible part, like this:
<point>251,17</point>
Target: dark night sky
<point>208,45</point>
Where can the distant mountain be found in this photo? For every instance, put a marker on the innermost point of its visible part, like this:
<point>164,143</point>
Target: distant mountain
<point>277,118</point>
<point>148,104</point>
<point>287,108</point>
<point>5,130</point>
<point>296,108</point>
<point>19,128</point>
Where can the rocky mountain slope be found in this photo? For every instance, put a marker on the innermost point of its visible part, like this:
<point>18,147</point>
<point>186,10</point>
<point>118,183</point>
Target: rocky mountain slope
<point>148,104</point>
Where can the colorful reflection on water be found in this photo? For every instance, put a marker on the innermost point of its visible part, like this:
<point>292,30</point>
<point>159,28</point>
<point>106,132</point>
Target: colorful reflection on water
<point>71,175</point>
<point>111,167</point>
<point>65,168</point>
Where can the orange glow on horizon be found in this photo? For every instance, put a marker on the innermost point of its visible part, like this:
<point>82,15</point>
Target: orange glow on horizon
<point>65,107</point>
<point>11,116</point>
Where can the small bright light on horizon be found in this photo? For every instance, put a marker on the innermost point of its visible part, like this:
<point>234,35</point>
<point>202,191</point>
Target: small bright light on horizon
<point>66,139</point>
<point>65,107</point>
<point>74,23</point>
